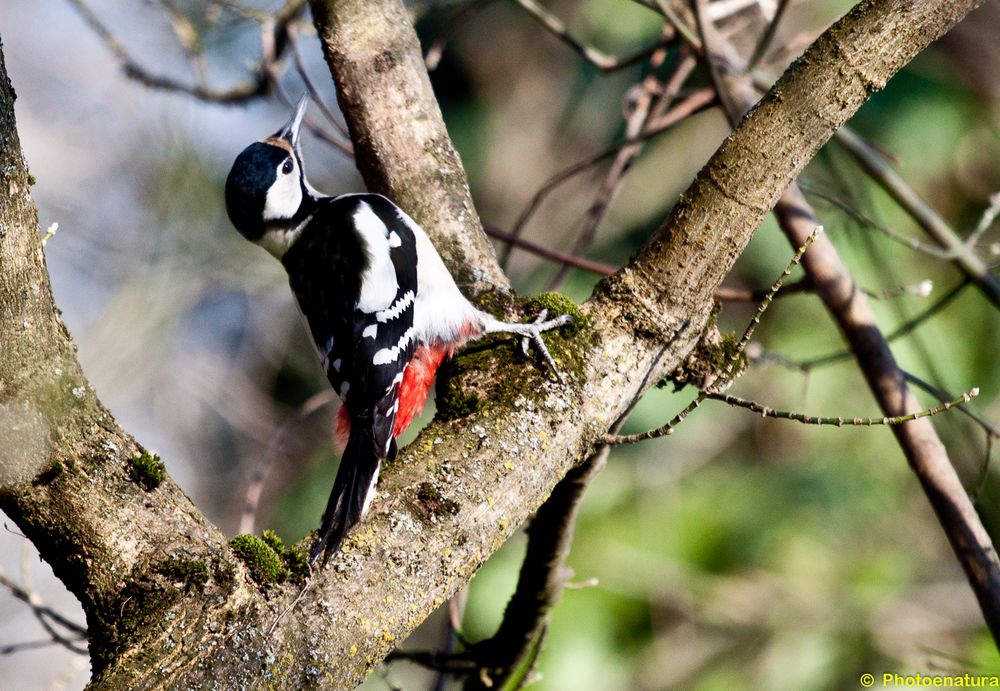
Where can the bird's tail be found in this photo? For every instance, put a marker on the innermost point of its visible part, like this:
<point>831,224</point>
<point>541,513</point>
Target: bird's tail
<point>352,490</point>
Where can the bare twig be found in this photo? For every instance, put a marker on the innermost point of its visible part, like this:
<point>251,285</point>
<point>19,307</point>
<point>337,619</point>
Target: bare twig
<point>590,265</point>
<point>765,411</point>
<point>726,376</point>
<point>187,37</point>
<point>917,438</point>
<point>433,56</point>
<point>681,25</point>
<point>724,294</point>
<point>314,94</point>
<point>985,221</point>
<point>990,428</point>
<point>46,617</point>
<point>597,58</point>
<point>865,220</point>
<point>648,108</point>
<point>902,330</point>
<point>693,103</point>
<point>273,30</point>
<point>926,217</point>
<point>849,306</point>
<point>768,35</point>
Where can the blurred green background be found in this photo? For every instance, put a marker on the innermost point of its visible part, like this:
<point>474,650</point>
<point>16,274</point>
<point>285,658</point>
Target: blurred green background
<point>737,553</point>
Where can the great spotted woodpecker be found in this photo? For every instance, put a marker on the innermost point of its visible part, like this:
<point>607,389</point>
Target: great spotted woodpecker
<point>382,308</point>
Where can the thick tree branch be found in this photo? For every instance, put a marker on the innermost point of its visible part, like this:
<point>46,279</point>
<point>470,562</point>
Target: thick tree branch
<point>401,145</point>
<point>118,546</point>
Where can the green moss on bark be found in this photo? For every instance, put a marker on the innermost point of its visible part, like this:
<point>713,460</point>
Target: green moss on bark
<point>191,574</point>
<point>147,470</point>
<point>264,564</point>
<point>294,557</point>
<point>469,383</point>
<point>269,560</point>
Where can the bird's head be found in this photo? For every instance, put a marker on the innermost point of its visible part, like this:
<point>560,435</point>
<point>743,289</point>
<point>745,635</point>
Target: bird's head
<point>266,189</point>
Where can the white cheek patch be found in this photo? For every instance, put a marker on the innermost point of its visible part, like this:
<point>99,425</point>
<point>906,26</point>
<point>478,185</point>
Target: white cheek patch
<point>284,197</point>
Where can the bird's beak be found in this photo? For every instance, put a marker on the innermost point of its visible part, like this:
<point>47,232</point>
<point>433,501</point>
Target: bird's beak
<point>290,131</point>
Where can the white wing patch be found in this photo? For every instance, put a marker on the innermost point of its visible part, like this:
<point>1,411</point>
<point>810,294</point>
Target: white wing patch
<point>387,355</point>
<point>370,331</point>
<point>378,282</point>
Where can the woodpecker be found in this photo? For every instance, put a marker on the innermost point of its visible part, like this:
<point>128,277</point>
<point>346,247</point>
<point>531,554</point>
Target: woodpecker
<point>382,309</point>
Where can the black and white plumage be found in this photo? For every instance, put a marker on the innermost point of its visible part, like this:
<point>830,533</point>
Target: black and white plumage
<point>382,309</point>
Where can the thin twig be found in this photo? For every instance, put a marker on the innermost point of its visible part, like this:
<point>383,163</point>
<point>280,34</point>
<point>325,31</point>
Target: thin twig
<point>985,221</point>
<point>187,37</point>
<point>724,294</point>
<point>725,378</point>
<point>453,635</point>
<point>680,25</point>
<point>256,86</point>
<point>723,381</point>
<point>768,35</point>
<point>992,430</point>
<point>32,600</point>
<point>600,268</point>
<point>647,109</point>
<point>34,645</point>
<point>47,616</point>
<point>597,58</point>
<point>963,256</point>
<point>902,330</point>
<point>251,500</point>
<point>861,218</point>
<point>765,411</point>
<point>693,103</point>
<point>433,56</point>
<point>314,95</point>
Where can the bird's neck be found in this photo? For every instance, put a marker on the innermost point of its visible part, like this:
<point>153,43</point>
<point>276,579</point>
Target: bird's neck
<point>281,233</point>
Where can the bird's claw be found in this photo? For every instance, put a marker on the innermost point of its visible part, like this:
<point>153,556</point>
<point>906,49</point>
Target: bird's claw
<point>535,330</point>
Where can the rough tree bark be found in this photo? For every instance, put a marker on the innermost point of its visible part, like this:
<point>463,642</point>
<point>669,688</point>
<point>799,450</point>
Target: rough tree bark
<point>168,603</point>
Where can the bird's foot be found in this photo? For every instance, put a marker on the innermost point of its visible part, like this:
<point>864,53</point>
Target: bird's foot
<point>532,333</point>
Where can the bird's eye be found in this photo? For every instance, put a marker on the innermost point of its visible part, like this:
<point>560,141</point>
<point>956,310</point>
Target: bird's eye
<point>288,166</point>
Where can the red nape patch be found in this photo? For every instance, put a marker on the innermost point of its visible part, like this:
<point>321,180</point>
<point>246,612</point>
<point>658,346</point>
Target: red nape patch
<point>417,380</point>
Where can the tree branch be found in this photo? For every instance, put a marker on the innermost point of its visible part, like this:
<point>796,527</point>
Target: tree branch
<point>400,142</point>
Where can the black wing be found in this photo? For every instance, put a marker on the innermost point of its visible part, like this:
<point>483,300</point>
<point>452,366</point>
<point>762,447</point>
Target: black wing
<point>353,271</point>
